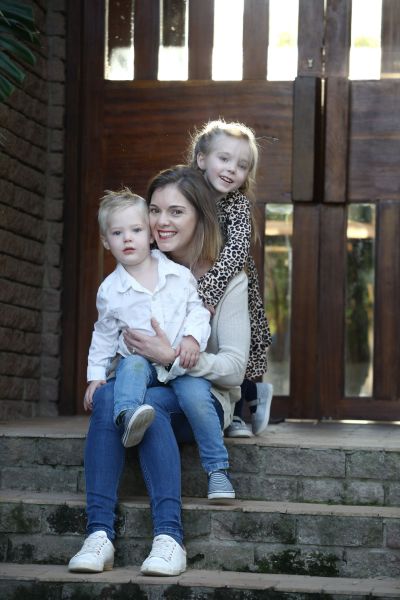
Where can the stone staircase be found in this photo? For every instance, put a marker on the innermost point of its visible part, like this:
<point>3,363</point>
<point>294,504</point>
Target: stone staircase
<point>318,517</point>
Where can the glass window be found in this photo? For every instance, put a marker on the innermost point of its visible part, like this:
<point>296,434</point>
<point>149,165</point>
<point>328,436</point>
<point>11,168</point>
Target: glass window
<point>277,292</point>
<point>365,51</point>
<point>283,33</point>
<point>359,332</point>
<point>173,50</point>
<point>119,50</point>
<point>227,59</point>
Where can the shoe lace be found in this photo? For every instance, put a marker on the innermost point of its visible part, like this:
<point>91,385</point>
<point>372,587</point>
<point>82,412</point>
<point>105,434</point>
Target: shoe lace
<point>162,548</point>
<point>93,544</point>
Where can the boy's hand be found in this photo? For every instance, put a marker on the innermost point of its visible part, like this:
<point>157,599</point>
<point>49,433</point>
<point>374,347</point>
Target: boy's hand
<point>188,352</point>
<point>211,309</point>
<point>90,390</point>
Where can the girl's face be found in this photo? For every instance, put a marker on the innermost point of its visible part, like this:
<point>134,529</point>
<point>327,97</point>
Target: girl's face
<point>173,222</point>
<point>226,167</point>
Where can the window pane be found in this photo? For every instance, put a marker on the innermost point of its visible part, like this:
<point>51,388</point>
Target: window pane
<point>282,48</point>
<point>278,280</point>
<point>360,300</point>
<point>173,51</point>
<point>119,51</point>
<point>365,51</point>
<point>227,61</point>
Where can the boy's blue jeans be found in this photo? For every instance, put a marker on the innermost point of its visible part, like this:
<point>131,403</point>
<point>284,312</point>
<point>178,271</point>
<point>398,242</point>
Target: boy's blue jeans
<point>159,459</point>
<point>135,374</point>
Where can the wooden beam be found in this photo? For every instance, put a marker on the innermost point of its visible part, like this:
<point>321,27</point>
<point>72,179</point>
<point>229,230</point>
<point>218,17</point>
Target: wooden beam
<point>310,37</point>
<point>255,39</point>
<point>336,139</point>
<point>201,39</point>
<point>337,38</point>
<point>146,39</point>
<point>307,110</point>
<point>390,61</point>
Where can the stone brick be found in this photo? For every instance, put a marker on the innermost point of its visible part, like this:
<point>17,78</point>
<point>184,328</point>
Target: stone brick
<point>19,364</point>
<point>55,163</point>
<point>53,254</point>
<point>19,341</point>
<point>56,140</point>
<point>18,452</point>
<point>51,367</point>
<point>333,530</point>
<point>321,490</point>
<point>19,318</point>
<point>64,519</point>
<point>40,479</point>
<point>51,300</point>
<point>21,223</point>
<point>20,518</point>
<point>28,202</point>
<point>373,465</point>
<point>365,492</point>
<point>55,187</point>
<point>254,527</point>
<point>22,271</point>
<point>56,46</point>
<point>56,117</point>
<point>360,562</point>
<point>55,232</point>
<point>266,488</point>
<point>49,389</point>
<point>51,322</point>
<point>303,461</point>
<point>213,555</point>
<point>392,527</point>
<point>137,521</point>
<point>55,23</point>
<point>52,277</point>
<point>11,388</point>
<point>41,548</point>
<point>60,451</point>
<point>10,410</point>
<point>12,292</point>
<point>393,494</point>
<point>51,344</point>
<point>57,94</point>
<point>54,209</point>
<point>196,524</point>
<point>18,246</point>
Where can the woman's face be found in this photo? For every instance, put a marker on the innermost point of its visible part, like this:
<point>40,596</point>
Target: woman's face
<point>173,222</point>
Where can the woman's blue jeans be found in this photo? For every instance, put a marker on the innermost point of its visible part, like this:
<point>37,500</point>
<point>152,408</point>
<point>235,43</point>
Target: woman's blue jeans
<point>158,454</point>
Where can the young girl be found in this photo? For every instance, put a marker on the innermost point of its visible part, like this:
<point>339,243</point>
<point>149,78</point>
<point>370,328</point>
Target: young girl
<point>227,155</point>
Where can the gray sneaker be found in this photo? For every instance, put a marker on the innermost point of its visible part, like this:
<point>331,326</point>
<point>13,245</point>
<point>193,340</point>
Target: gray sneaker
<point>135,424</point>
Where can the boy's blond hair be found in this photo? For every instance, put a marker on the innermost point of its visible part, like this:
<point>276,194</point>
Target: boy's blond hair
<point>113,201</point>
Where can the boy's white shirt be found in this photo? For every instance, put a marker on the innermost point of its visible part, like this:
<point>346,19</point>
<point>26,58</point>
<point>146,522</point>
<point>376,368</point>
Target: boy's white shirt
<point>225,359</point>
<point>122,302</point>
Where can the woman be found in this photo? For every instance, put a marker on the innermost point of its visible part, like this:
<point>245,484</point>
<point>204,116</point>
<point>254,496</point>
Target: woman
<point>184,225</point>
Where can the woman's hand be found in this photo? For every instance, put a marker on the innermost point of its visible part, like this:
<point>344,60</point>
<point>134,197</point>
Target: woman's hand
<point>156,348</point>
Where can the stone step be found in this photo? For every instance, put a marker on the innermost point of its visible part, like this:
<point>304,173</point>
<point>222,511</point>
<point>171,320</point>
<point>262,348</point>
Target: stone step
<point>268,537</point>
<point>50,581</point>
<point>292,462</point>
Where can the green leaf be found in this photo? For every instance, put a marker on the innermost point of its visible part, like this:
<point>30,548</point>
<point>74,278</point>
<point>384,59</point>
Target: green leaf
<point>9,68</point>
<point>18,49</point>
<point>6,88</point>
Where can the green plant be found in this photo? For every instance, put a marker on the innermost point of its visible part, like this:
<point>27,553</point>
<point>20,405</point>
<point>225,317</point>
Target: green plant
<point>17,30</point>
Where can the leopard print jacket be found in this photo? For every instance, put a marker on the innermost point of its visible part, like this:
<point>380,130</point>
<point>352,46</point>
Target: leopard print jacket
<point>235,222</point>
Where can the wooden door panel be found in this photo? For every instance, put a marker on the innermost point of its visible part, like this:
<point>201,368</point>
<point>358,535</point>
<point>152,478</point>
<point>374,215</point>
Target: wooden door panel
<point>147,126</point>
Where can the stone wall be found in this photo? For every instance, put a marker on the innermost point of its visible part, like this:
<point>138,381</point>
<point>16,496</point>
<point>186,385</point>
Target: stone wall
<point>31,210</point>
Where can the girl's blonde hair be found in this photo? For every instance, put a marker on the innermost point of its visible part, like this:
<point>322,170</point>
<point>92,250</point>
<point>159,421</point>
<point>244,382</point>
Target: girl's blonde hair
<point>203,139</point>
<point>113,201</point>
<point>207,241</point>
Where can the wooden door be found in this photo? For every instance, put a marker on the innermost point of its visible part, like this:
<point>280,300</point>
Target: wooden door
<point>122,132</point>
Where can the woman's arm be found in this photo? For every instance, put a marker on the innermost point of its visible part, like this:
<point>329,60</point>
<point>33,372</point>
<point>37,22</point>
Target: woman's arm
<point>228,350</point>
<point>234,254</point>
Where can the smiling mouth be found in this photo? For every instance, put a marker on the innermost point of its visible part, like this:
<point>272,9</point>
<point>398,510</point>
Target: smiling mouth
<point>165,235</point>
<point>226,180</point>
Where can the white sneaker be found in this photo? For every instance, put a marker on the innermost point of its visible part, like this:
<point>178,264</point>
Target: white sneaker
<point>95,556</point>
<point>167,557</point>
<point>260,418</point>
<point>238,429</point>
